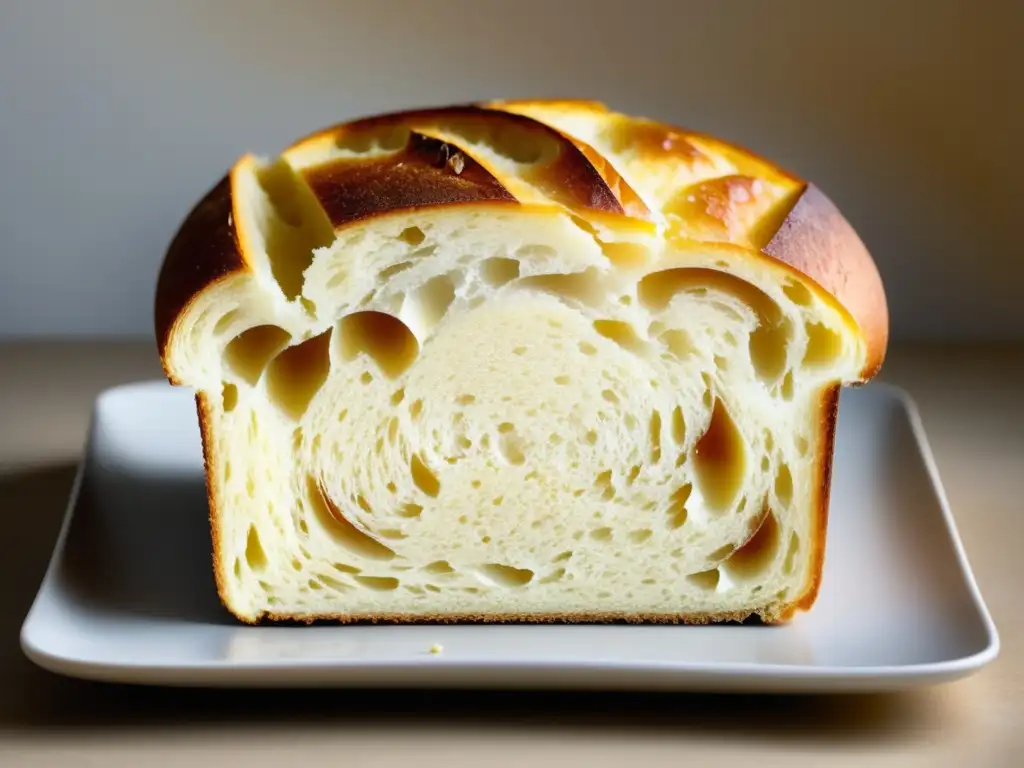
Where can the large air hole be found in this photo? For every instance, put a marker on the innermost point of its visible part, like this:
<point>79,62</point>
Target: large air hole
<point>228,397</point>
<point>678,426</point>
<point>248,353</point>
<point>332,583</point>
<point>295,226</point>
<point>384,338</point>
<point>625,254</point>
<point>757,554</point>
<point>798,293</point>
<point>603,482</point>
<point>769,350</point>
<point>340,528</point>
<point>720,460</point>
<point>621,333</point>
<point>425,308</point>
<point>499,270</point>
<point>709,389</point>
<point>791,552</point>
<point>422,477</point>
<point>439,567</point>
<point>296,374</point>
<point>410,510</point>
<point>677,513</point>
<point>787,388</point>
<point>706,580</point>
<point>506,575</point>
<point>378,583</point>
<point>578,287</point>
<point>784,485</point>
<point>655,437</point>
<point>255,556</point>
<point>823,345</point>
<point>412,236</point>
<point>395,269</point>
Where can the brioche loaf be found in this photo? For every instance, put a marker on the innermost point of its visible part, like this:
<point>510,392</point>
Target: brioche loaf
<point>517,361</point>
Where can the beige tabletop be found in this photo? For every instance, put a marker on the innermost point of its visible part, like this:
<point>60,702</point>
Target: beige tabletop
<point>972,401</point>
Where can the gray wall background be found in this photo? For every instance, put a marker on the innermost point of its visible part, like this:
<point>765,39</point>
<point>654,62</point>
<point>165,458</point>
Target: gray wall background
<point>115,116</point>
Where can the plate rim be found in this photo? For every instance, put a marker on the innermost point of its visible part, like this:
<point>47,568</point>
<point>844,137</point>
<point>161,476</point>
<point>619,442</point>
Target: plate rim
<point>710,676</point>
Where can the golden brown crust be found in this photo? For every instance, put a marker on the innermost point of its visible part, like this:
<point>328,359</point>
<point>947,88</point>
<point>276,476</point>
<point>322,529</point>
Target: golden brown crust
<point>829,411</point>
<point>655,143</point>
<point>212,494</point>
<point>204,250</point>
<point>815,239</point>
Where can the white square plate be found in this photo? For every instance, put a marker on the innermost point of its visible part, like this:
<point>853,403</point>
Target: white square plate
<point>129,594</point>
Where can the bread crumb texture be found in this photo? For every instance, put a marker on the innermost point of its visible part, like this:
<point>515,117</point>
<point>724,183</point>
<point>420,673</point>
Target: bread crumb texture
<point>517,361</point>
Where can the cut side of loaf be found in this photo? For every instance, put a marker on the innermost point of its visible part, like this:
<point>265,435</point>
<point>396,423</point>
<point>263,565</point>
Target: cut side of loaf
<point>517,361</point>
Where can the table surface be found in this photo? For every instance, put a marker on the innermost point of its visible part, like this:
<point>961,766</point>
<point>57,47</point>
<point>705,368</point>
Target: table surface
<point>972,403</point>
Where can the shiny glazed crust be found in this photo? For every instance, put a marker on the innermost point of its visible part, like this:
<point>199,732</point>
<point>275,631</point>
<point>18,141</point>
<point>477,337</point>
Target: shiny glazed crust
<point>609,170</point>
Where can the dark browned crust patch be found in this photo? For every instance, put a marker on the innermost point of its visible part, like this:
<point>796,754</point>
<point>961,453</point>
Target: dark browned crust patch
<point>426,172</point>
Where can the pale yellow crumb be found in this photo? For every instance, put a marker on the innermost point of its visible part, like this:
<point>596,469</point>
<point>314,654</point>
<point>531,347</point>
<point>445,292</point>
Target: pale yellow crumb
<point>436,648</point>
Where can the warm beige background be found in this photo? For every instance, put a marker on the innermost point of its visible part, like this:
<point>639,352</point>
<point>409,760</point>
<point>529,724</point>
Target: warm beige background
<point>116,114</point>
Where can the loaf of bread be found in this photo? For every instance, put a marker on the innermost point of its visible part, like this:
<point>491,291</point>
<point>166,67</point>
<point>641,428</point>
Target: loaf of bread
<point>517,361</point>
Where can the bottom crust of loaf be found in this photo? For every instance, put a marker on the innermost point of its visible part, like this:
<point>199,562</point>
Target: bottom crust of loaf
<point>772,614</point>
